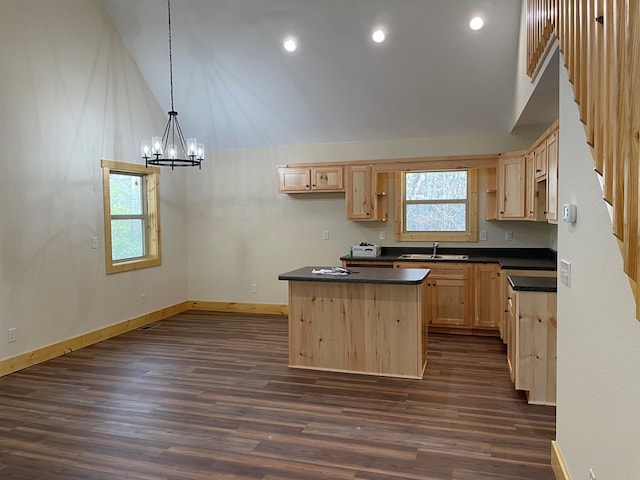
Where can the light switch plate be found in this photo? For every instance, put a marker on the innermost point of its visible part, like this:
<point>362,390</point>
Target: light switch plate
<point>483,235</point>
<point>565,272</point>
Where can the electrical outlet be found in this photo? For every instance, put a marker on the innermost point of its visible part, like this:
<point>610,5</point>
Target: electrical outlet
<point>94,242</point>
<point>508,236</point>
<point>483,235</point>
<point>143,299</point>
<point>382,234</point>
<point>254,288</point>
<point>592,475</point>
<point>11,335</point>
<point>325,234</point>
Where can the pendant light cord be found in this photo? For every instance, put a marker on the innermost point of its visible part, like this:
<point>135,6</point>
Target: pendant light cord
<point>170,55</point>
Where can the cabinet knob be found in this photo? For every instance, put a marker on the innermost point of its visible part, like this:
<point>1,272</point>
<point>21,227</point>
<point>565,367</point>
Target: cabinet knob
<point>538,170</point>
<point>501,213</point>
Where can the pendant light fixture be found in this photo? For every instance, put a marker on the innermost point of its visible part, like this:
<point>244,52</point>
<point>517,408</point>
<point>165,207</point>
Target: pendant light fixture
<point>171,150</point>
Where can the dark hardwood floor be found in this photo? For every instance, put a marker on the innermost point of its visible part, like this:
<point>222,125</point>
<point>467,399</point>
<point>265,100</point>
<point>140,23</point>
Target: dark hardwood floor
<point>210,396</point>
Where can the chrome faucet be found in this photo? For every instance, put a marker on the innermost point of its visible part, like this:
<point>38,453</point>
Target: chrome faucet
<point>435,247</point>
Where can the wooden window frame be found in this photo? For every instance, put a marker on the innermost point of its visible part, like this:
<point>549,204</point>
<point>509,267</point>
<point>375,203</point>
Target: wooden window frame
<point>153,252</point>
<point>469,235</point>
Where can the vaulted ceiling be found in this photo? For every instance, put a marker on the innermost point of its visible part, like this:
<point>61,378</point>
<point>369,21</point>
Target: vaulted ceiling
<point>235,86</point>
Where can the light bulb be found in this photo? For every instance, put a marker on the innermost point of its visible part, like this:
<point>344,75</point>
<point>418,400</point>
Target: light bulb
<point>378,36</point>
<point>476,23</point>
<point>290,44</point>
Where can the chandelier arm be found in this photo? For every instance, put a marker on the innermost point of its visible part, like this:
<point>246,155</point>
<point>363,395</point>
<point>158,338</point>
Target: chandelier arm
<point>165,136</point>
<point>183,142</point>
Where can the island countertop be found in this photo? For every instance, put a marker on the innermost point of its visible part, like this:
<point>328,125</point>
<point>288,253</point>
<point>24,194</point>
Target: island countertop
<point>397,276</point>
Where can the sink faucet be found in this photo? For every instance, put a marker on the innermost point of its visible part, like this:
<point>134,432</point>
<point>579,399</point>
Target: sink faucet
<point>435,247</point>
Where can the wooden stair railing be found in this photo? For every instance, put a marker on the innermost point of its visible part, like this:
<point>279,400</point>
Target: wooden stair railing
<point>600,43</point>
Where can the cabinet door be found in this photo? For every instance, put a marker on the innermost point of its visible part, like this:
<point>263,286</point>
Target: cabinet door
<point>449,302</point>
<point>510,335</point>
<point>358,193</point>
<point>540,154</point>
<point>487,295</point>
<point>327,179</point>
<point>535,204</point>
<point>511,187</point>
<point>448,291</point>
<point>294,180</point>
<point>552,178</point>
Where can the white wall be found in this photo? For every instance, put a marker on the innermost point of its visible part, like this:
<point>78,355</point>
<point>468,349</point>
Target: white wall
<point>526,86</point>
<point>242,231</point>
<point>71,96</point>
<point>598,425</point>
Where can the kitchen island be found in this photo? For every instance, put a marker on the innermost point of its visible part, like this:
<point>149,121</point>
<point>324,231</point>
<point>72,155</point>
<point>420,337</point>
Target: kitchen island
<point>370,321</point>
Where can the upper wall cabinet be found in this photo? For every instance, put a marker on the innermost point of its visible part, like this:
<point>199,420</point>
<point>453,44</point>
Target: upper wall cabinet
<point>366,193</point>
<point>527,182</point>
<point>311,179</point>
<point>511,186</point>
<point>552,177</point>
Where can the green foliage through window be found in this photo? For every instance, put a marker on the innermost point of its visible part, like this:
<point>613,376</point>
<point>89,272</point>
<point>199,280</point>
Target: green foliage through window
<point>131,216</point>
<point>127,216</point>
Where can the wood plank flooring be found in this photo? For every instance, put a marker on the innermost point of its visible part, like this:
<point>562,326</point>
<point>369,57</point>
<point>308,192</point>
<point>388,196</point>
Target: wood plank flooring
<point>210,396</point>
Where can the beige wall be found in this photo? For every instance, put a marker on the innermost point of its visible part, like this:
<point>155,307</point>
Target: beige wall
<point>242,231</point>
<point>71,95</point>
<point>598,425</point>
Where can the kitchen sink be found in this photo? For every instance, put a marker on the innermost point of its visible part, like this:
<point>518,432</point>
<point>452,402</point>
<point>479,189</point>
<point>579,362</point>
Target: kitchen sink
<point>428,256</point>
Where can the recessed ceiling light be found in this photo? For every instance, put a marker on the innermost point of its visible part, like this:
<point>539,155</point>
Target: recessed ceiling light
<point>476,23</point>
<point>378,36</point>
<point>290,44</point>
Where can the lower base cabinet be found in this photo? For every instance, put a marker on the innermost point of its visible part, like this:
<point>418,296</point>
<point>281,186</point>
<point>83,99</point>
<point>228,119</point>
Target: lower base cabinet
<point>531,344</point>
<point>504,295</point>
<point>464,297</point>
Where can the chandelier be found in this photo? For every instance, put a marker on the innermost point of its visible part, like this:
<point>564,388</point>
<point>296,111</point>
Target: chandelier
<point>171,150</point>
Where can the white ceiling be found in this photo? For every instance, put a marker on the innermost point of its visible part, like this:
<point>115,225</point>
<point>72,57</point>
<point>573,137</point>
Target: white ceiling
<point>235,86</point>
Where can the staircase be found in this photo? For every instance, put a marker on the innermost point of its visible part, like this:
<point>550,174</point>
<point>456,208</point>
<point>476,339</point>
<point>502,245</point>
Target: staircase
<point>600,43</point>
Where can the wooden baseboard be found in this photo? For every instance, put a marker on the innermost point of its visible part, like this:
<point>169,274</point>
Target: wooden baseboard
<point>27,359</point>
<point>235,307</point>
<point>43,354</point>
<point>557,463</point>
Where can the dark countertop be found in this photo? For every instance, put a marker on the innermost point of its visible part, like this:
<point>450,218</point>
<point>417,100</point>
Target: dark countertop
<point>507,258</point>
<point>398,276</point>
<point>533,284</point>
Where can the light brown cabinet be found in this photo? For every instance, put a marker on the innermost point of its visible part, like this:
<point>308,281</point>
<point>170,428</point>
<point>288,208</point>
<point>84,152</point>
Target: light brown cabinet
<point>540,158</point>
<point>535,197</point>
<point>511,186</point>
<point>366,193</point>
<point>552,177</point>
<point>531,349</point>
<point>503,325</point>
<point>486,290</point>
<point>527,183</point>
<point>310,179</point>
<point>450,294</point>
<point>464,297</point>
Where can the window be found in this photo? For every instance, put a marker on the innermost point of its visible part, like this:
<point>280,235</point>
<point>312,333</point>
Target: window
<point>131,216</point>
<point>437,205</point>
